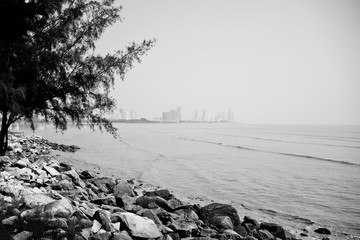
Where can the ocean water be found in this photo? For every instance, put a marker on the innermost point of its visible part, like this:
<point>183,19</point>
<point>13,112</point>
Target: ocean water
<point>295,175</point>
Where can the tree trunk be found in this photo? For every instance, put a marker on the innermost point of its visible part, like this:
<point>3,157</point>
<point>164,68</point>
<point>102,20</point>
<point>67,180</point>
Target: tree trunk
<point>4,134</point>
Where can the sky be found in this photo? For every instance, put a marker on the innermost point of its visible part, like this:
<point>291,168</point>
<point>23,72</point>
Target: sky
<point>271,62</point>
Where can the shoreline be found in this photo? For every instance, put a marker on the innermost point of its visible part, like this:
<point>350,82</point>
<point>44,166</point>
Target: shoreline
<point>80,166</point>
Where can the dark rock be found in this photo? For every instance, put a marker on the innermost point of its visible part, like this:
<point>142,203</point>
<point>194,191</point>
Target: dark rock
<point>250,221</point>
<point>208,232</point>
<point>57,223</point>
<point>102,217</point>
<point>183,227</point>
<point>275,229</point>
<point>264,234</point>
<point>109,200</point>
<point>151,215</point>
<point>144,201</point>
<point>55,233</point>
<point>174,236</point>
<point>65,166</point>
<point>241,230</point>
<point>322,231</point>
<point>218,209</point>
<point>163,193</point>
<point>105,184</point>
<point>63,185</point>
<point>87,174</point>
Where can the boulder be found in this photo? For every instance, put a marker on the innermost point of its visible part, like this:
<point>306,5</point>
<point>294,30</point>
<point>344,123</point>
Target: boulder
<point>275,229</point>
<point>75,177</point>
<point>144,201</point>
<point>212,210</point>
<point>223,222</point>
<point>151,215</point>
<point>174,204</point>
<point>10,220</point>
<point>24,235</point>
<point>105,184</point>
<point>183,227</point>
<point>101,236</point>
<point>187,214</point>
<point>322,231</point>
<point>59,208</point>
<point>123,235</point>
<point>123,188</point>
<point>264,234</point>
<point>163,193</point>
<point>36,199</point>
<point>52,171</point>
<point>139,226</point>
<point>104,219</point>
<point>249,220</point>
<point>96,226</point>
<point>63,185</point>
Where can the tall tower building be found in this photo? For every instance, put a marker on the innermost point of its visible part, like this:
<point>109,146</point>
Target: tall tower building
<point>178,110</point>
<point>230,116</point>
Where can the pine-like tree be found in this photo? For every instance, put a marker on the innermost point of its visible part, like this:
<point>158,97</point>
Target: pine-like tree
<point>48,66</point>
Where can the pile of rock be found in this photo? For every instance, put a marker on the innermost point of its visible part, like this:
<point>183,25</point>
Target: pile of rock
<point>41,198</point>
<point>27,145</point>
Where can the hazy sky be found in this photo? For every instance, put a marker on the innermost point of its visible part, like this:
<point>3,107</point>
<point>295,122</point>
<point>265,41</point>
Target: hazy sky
<point>269,61</point>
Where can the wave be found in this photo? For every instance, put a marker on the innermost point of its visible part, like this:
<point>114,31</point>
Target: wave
<point>264,151</point>
<point>287,217</point>
<point>277,140</point>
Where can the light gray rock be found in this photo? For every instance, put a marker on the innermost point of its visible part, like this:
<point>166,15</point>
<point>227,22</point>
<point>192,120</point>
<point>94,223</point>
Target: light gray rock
<point>222,222</point>
<point>24,235</point>
<point>32,199</point>
<point>139,226</point>
<point>52,171</point>
<point>184,228</point>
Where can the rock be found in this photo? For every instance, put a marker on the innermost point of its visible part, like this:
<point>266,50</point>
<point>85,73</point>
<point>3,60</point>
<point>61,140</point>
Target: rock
<point>174,204</point>
<point>222,222</point>
<point>208,232</point>
<point>163,193</point>
<point>5,160</point>
<point>139,226</point>
<point>231,234</point>
<point>24,235</point>
<point>62,185</point>
<point>322,231</point>
<point>151,215</point>
<point>10,220</point>
<point>57,223</point>
<point>105,184</point>
<point>109,200</point>
<point>52,171</point>
<point>21,163</point>
<point>218,209</point>
<point>241,230</point>
<point>101,236</point>
<point>96,226</point>
<point>87,174</point>
<point>275,229</point>
<point>251,221</point>
<point>183,227</point>
<point>75,178</point>
<point>103,218</point>
<point>123,188</point>
<point>187,214</point>
<point>265,235</point>
<point>36,199</point>
<point>86,233</point>
<point>144,201</point>
<point>123,235</point>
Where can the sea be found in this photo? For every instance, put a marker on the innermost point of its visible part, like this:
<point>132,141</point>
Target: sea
<point>300,176</point>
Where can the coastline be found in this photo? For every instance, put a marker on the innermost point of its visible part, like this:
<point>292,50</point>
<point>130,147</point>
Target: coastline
<point>245,232</point>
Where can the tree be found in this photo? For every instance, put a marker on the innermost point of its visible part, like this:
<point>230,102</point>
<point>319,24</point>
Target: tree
<point>48,66</point>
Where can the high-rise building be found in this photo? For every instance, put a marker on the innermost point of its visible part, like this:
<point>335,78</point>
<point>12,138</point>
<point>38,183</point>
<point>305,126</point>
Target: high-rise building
<point>230,116</point>
<point>196,115</point>
<point>205,116</point>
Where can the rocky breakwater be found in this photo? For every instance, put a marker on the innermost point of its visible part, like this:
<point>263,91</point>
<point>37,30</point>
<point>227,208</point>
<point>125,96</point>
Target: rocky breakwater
<point>42,198</point>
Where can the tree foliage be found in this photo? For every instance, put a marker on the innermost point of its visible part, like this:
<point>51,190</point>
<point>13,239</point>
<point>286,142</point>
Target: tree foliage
<point>48,66</point>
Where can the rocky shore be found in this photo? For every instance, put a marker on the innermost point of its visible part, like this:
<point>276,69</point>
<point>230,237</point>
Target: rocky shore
<point>42,197</point>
